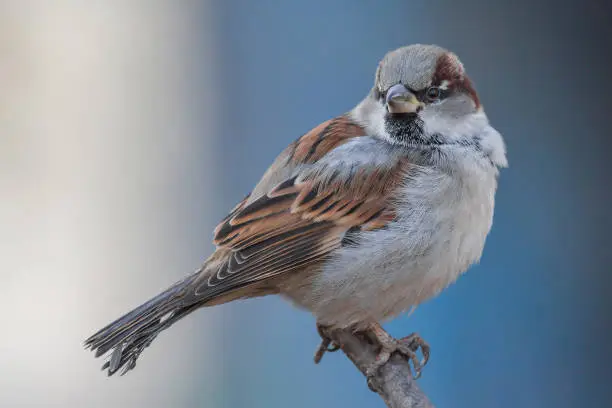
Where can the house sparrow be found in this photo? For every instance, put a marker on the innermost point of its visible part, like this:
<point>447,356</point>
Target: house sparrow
<point>362,218</point>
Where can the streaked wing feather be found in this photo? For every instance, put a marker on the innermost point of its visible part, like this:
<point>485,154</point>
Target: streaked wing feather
<point>301,219</point>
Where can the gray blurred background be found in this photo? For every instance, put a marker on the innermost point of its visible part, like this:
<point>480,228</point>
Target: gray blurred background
<point>129,128</point>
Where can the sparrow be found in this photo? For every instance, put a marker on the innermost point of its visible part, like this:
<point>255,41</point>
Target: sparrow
<point>360,219</point>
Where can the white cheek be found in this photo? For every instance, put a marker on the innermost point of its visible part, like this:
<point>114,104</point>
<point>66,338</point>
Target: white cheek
<point>371,115</point>
<point>435,121</point>
<point>450,121</point>
<point>378,120</point>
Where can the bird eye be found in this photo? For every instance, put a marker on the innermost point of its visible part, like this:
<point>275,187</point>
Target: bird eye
<point>433,93</point>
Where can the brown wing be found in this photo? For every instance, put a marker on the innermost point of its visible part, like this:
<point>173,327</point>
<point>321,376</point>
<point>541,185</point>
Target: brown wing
<point>301,220</point>
<point>322,139</point>
<point>307,150</point>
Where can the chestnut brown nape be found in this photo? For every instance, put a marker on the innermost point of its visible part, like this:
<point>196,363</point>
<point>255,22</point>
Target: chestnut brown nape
<point>450,73</point>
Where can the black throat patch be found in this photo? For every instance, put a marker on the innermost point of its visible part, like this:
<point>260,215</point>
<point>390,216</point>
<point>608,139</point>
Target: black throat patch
<point>405,127</point>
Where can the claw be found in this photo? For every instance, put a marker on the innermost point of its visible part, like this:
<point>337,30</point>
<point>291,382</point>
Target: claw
<point>327,345</point>
<point>414,342</point>
<point>407,347</point>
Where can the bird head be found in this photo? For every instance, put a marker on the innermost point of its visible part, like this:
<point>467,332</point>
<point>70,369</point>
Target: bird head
<point>423,96</point>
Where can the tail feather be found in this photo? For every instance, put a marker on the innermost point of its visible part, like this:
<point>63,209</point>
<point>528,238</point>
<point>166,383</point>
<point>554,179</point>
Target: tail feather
<point>129,335</point>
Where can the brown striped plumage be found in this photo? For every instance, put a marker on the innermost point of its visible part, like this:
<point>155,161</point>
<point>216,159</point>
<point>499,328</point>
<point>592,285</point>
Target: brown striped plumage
<point>323,138</point>
<point>297,222</point>
<point>291,222</point>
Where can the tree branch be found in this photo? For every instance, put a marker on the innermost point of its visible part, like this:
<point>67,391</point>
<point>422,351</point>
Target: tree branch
<point>393,381</point>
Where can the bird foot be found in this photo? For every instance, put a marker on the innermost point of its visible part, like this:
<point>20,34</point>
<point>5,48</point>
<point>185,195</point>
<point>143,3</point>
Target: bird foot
<point>327,344</point>
<point>406,347</point>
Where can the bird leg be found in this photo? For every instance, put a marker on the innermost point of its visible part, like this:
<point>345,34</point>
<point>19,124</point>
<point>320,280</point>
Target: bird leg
<point>406,346</point>
<point>327,344</point>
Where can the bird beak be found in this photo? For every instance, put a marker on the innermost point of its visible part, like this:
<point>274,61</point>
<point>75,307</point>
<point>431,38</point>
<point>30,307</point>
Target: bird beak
<point>401,100</point>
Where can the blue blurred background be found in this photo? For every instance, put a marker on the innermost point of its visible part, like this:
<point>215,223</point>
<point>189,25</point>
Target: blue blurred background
<point>128,129</point>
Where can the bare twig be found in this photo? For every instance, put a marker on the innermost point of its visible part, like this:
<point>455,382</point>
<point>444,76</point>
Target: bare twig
<point>393,381</point>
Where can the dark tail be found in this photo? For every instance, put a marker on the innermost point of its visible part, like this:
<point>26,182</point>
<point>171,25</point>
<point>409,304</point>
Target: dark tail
<point>129,335</point>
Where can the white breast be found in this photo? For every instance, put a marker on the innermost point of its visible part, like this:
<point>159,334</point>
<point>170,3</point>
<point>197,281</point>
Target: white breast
<point>444,218</point>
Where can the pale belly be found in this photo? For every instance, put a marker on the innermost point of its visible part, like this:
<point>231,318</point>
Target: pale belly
<point>392,270</point>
